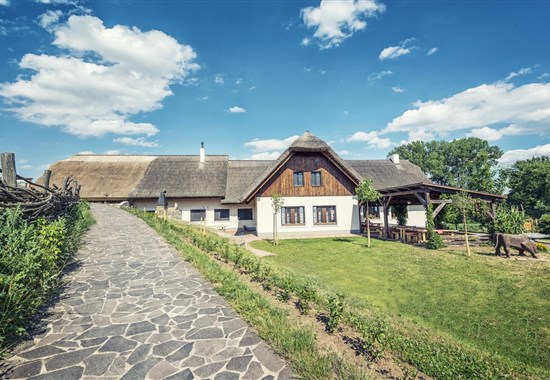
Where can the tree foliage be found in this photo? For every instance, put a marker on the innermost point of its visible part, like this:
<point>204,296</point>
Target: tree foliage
<point>401,214</point>
<point>470,163</point>
<point>529,183</point>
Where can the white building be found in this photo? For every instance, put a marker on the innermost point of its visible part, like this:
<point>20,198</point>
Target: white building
<point>316,184</point>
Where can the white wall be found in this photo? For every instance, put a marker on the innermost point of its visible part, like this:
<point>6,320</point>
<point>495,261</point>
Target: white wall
<point>417,216</point>
<point>347,216</point>
<point>209,204</point>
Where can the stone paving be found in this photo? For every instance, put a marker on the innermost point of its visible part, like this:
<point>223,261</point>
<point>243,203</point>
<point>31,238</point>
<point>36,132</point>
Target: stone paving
<point>133,309</point>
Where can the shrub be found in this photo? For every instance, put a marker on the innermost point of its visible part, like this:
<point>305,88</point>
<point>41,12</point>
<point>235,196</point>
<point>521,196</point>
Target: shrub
<point>543,224</point>
<point>335,311</point>
<point>508,220</point>
<point>542,247</point>
<point>434,240</point>
<point>32,256</point>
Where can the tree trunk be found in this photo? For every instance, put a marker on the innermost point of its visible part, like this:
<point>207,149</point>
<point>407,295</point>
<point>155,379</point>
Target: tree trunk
<point>368,224</point>
<point>466,234</point>
<point>274,229</point>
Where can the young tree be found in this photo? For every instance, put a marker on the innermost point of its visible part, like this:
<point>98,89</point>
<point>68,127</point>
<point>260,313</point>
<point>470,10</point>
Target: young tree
<point>366,193</point>
<point>464,204</point>
<point>277,202</point>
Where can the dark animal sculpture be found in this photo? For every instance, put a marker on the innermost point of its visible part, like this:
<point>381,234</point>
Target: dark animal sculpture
<point>519,242</point>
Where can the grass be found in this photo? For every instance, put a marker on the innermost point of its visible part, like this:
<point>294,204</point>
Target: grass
<point>288,337</point>
<point>494,305</point>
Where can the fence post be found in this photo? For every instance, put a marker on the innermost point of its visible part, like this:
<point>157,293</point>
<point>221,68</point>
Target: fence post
<point>47,176</point>
<point>9,175</point>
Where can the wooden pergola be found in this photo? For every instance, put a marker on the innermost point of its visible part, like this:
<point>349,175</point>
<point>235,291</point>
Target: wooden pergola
<point>426,193</point>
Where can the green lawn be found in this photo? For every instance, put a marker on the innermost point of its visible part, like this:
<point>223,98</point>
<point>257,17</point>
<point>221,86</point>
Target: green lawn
<point>496,305</point>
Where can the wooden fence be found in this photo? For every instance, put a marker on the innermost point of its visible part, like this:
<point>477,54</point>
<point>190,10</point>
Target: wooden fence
<point>35,200</point>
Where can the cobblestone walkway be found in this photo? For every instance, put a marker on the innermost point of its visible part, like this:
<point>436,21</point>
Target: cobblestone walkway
<point>134,309</point>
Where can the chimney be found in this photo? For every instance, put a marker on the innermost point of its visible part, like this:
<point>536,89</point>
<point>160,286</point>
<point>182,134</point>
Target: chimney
<point>395,158</point>
<point>201,153</point>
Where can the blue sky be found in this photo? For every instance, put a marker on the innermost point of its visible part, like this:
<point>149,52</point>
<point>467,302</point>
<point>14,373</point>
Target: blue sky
<point>246,77</point>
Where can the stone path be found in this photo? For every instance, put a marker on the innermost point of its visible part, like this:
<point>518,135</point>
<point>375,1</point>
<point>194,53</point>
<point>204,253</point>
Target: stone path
<point>134,309</point>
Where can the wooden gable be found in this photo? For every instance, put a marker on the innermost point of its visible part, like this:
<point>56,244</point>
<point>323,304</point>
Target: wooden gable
<point>333,180</point>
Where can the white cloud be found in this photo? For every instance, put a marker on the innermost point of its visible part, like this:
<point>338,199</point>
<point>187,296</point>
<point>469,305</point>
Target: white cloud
<point>92,98</point>
<point>492,134</point>
<point>336,20</point>
<point>371,138</point>
<point>139,141</point>
<point>543,75</point>
<point>432,51</point>
<point>239,81</point>
<point>5,2</point>
<point>251,88</point>
<point>57,1</point>
<point>218,79</point>
<point>305,42</point>
<point>191,82</point>
<point>397,89</point>
<point>522,71</point>
<point>49,18</point>
<point>265,156</point>
<point>22,161</point>
<point>511,156</point>
<point>377,76</point>
<point>270,145</point>
<point>344,152</point>
<point>308,69</point>
<point>526,108</point>
<point>112,152</point>
<point>393,52</point>
<point>203,98</point>
<point>236,109</point>
<point>86,152</point>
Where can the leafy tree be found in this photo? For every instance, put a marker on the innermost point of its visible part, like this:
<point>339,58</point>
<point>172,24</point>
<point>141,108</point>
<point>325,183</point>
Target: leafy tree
<point>464,204</point>
<point>529,183</point>
<point>366,193</point>
<point>470,163</point>
<point>277,202</point>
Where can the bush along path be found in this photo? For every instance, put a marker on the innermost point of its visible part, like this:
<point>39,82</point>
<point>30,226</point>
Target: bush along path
<point>133,309</point>
<point>32,257</point>
<point>381,340</point>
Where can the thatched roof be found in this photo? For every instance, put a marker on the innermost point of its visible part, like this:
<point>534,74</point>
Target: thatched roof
<point>385,174</point>
<point>240,174</point>
<point>102,176</point>
<point>184,177</point>
<point>121,177</point>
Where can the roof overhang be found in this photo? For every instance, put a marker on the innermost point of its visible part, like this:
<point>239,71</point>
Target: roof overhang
<point>428,187</point>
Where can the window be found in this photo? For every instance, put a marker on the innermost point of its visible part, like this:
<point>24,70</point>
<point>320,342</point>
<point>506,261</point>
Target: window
<point>315,178</point>
<point>245,214</point>
<point>324,214</point>
<point>292,215</point>
<point>298,178</point>
<point>198,215</point>
<point>221,214</point>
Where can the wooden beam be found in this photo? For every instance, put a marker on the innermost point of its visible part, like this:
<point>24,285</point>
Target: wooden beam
<point>439,201</point>
<point>421,199</point>
<point>439,208</point>
<point>9,174</point>
<point>386,204</point>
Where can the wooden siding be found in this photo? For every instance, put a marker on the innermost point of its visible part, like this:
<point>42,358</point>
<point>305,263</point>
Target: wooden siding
<point>333,181</point>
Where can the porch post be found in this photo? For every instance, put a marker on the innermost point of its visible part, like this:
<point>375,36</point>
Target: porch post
<point>386,204</point>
